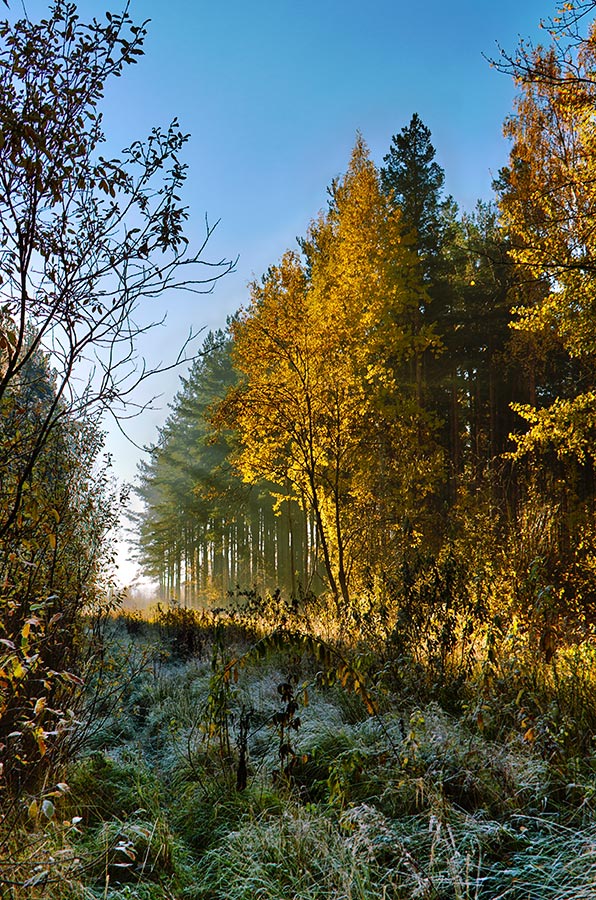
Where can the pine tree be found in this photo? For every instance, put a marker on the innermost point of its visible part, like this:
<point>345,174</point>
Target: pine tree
<point>203,531</point>
<point>414,181</point>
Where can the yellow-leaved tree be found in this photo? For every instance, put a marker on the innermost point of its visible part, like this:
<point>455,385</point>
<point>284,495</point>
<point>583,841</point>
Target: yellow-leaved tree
<point>548,204</point>
<point>319,411</point>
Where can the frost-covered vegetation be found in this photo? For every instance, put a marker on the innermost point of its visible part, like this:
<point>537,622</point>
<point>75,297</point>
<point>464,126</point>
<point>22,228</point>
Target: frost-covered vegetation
<point>226,764</point>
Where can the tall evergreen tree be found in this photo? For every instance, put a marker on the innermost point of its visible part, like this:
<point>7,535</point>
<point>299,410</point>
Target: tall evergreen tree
<point>462,264</point>
<point>415,182</point>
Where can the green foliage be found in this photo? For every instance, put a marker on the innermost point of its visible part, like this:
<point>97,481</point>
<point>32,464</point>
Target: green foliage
<point>414,181</point>
<point>295,854</point>
<point>204,821</point>
<point>52,567</point>
<point>410,799</point>
<point>132,851</point>
<point>103,788</point>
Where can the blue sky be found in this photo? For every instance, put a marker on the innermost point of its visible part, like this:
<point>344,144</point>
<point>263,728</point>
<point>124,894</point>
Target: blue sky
<point>273,94</point>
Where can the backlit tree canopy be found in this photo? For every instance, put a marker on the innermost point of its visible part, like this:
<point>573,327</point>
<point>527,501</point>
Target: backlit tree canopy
<point>318,410</point>
<point>548,203</point>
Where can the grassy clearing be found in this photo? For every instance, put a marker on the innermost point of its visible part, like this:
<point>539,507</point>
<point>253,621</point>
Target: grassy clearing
<point>204,778</point>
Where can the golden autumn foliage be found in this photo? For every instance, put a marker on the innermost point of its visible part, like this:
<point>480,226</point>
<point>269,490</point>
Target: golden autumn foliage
<point>548,205</point>
<point>319,412</point>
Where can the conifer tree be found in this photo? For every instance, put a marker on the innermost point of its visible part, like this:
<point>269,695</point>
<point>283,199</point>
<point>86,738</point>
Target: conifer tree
<point>203,531</point>
<point>415,182</point>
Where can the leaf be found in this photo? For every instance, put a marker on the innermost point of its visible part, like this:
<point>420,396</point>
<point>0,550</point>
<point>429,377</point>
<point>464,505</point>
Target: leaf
<point>73,679</point>
<point>33,810</point>
<point>40,739</point>
<point>369,703</point>
<point>52,540</point>
<point>48,809</point>
<point>19,672</point>
<point>128,849</point>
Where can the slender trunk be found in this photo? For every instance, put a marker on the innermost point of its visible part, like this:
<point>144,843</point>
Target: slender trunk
<point>341,567</point>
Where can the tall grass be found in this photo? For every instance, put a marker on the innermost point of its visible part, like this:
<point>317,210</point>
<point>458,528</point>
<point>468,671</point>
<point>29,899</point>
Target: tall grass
<point>495,801</point>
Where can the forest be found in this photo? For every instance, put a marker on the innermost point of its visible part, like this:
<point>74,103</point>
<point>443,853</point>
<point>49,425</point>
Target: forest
<point>369,670</point>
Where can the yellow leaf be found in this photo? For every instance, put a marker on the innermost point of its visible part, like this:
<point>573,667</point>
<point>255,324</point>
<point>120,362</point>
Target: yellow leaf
<point>52,540</point>
<point>39,735</point>
<point>19,671</point>
<point>73,679</point>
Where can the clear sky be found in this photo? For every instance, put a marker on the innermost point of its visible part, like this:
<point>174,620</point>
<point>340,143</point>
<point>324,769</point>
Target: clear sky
<point>273,93</point>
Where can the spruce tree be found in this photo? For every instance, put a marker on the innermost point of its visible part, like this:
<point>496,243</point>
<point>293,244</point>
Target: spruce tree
<point>415,181</point>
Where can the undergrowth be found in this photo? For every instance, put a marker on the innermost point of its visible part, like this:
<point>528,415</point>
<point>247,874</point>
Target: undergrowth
<point>241,760</point>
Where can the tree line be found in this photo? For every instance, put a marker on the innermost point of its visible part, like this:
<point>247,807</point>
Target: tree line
<point>405,368</point>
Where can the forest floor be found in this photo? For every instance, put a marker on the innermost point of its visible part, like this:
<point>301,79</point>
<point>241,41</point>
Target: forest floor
<point>214,771</point>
